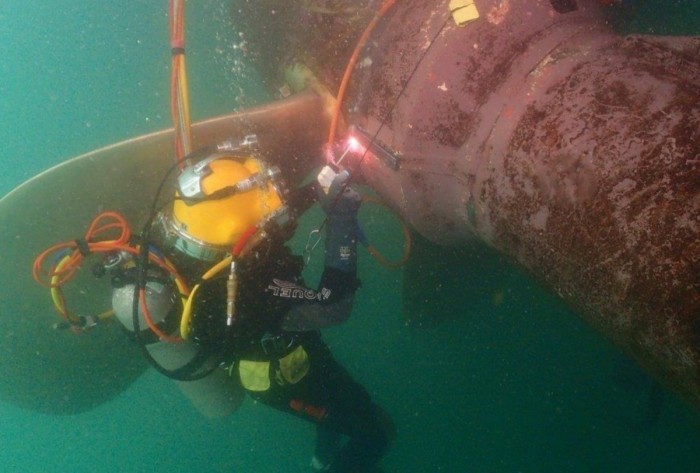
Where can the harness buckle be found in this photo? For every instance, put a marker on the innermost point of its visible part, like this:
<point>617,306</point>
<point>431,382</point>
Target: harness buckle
<point>276,344</point>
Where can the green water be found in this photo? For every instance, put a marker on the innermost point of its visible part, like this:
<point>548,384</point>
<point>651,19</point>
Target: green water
<point>512,382</point>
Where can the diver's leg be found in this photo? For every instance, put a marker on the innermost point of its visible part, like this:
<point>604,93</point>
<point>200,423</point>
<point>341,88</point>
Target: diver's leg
<point>349,410</point>
<point>367,444</point>
<point>329,397</point>
<point>328,443</point>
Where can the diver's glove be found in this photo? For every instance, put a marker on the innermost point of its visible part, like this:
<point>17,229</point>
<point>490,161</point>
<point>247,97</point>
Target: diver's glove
<point>341,203</point>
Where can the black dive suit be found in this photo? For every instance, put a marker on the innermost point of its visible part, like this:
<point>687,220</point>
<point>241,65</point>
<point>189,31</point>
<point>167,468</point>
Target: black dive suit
<point>276,350</point>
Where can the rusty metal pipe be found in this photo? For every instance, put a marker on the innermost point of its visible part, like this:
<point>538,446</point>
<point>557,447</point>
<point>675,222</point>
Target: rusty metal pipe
<point>569,148</point>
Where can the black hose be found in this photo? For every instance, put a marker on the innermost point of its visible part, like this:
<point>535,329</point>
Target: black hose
<point>192,370</point>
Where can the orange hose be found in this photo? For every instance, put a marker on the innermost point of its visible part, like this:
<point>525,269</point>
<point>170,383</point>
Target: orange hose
<point>41,275</point>
<point>149,321</point>
<point>98,227</point>
<point>179,107</point>
<point>97,240</point>
<point>351,67</point>
<point>243,240</point>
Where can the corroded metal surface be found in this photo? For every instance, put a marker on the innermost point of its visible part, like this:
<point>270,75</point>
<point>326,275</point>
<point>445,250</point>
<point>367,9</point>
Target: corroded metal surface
<point>570,149</point>
<point>599,195</point>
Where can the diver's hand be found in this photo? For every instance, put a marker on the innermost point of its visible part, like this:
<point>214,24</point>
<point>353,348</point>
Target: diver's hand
<point>338,199</point>
<point>341,203</point>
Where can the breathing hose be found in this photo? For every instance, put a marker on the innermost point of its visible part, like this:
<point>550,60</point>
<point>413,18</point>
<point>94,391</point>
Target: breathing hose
<point>179,97</point>
<point>351,67</point>
<point>58,264</point>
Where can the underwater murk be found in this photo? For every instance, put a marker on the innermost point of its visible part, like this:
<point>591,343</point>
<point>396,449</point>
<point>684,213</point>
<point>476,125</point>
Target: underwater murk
<point>508,380</point>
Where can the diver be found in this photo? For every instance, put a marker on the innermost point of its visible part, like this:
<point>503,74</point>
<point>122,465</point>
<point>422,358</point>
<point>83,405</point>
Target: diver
<point>260,318</point>
<point>216,300</point>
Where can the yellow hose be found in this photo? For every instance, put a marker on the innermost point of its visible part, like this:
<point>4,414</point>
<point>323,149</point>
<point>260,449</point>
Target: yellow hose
<point>57,295</point>
<point>184,107</point>
<point>187,314</point>
<point>186,318</point>
<point>179,97</point>
<point>59,302</point>
<point>218,267</point>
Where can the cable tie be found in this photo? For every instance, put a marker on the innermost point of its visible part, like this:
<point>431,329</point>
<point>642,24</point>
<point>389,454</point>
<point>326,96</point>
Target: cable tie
<point>82,246</point>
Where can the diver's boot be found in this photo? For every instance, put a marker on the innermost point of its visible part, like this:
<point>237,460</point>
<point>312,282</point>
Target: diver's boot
<point>319,465</point>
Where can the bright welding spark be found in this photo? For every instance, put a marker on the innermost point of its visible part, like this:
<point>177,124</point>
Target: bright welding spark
<point>354,144</point>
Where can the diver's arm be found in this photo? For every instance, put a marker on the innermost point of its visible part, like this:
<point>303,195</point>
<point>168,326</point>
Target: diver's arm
<point>302,198</point>
<point>338,282</point>
<point>332,305</point>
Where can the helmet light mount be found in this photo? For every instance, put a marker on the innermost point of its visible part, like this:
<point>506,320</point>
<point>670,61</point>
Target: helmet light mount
<point>190,179</point>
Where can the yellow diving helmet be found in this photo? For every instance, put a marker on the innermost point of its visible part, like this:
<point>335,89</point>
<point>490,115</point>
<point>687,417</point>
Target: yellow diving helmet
<point>220,197</point>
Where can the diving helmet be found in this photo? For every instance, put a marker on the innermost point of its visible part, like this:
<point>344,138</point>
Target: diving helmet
<point>219,197</point>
